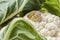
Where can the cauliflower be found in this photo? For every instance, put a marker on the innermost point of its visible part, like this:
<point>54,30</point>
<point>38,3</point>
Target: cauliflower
<point>45,23</point>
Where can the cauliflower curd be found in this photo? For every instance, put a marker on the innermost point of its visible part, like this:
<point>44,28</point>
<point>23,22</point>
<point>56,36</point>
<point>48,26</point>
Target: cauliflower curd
<point>45,23</point>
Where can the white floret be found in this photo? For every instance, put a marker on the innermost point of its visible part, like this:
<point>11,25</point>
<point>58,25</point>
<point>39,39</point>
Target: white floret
<point>58,34</point>
<point>52,28</point>
<point>44,32</point>
<point>49,26</point>
<point>58,38</point>
<point>42,24</point>
<point>48,38</point>
<point>53,33</point>
<point>50,20</point>
<point>53,38</point>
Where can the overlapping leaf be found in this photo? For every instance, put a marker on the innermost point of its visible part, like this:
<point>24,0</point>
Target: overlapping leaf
<point>21,29</point>
<point>9,8</point>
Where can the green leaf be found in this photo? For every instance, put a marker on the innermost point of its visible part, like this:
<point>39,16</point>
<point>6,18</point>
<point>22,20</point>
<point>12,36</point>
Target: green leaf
<point>53,6</point>
<point>9,8</point>
<point>2,32</point>
<point>21,29</point>
<point>32,5</point>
